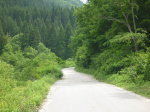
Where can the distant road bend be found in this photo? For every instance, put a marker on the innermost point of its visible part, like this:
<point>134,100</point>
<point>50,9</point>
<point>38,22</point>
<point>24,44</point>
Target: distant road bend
<point>78,92</point>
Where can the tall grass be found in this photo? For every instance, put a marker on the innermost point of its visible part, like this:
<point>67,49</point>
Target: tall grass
<point>26,98</point>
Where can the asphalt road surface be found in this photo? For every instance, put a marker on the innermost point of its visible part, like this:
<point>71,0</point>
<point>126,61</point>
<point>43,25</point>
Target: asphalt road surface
<point>77,92</point>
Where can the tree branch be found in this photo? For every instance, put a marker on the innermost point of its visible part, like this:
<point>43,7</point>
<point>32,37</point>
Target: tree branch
<point>113,19</point>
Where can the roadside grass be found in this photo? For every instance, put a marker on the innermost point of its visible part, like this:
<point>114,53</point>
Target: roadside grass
<point>141,88</point>
<point>26,98</point>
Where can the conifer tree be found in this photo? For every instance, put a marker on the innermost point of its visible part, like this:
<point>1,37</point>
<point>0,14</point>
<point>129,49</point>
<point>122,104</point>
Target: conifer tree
<point>39,21</point>
<point>68,34</point>
<point>61,43</point>
<point>34,37</point>
<point>53,38</point>
<point>1,39</point>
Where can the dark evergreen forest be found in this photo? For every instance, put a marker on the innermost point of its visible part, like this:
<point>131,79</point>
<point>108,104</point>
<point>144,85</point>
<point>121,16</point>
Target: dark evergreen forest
<point>37,21</point>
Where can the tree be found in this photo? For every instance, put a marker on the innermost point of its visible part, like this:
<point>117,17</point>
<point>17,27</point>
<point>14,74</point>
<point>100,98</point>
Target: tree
<point>68,34</point>
<point>61,43</point>
<point>34,37</point>
<point>124,12</point>
<point>2,42</point>
<point>39,21</point>
<point>65,17</point>
<point>53,38</point>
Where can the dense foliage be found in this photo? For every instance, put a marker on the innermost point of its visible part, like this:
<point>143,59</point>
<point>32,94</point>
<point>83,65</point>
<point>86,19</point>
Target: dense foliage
<point>112,39</point>
<point>22,71</point>
<point>39,21</point>
<point>40,3</point>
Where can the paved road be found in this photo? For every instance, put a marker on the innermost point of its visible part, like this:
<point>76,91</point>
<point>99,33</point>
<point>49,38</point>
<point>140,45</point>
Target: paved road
<point>78,92</point>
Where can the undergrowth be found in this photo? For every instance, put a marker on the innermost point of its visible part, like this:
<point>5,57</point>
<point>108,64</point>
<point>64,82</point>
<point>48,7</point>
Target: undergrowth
<point>26,98</point>
<point>69,63</point>
<point>26,75</point>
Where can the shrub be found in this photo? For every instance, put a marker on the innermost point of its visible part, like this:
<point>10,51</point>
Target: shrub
<point>7,81</point>
<point>69,63</point>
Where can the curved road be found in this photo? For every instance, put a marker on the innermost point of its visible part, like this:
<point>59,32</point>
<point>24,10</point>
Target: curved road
<point>78,92</point>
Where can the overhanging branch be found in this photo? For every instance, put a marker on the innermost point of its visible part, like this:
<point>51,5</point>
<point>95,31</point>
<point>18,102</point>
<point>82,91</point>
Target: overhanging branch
<point>113,19</point>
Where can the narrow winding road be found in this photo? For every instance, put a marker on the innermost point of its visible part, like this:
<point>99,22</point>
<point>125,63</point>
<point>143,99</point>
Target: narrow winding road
<point>78,92</point>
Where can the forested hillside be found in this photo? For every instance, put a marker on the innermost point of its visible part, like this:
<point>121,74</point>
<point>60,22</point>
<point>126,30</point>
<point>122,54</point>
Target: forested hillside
<point>66,3</point>
<point>40,3</point>
<point>112,42</point>
<point>38,21</point>
<point>34,40</point>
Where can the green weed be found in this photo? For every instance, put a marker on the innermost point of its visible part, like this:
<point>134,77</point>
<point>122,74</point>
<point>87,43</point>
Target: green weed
<point>28,98</point>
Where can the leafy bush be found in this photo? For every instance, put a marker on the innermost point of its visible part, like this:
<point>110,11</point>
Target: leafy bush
<point>7,81</point>
<point>30,52</point>
<point>69,63</point>
<point>147,66</point>
<point>82,58</point>
<point>110,61</point>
